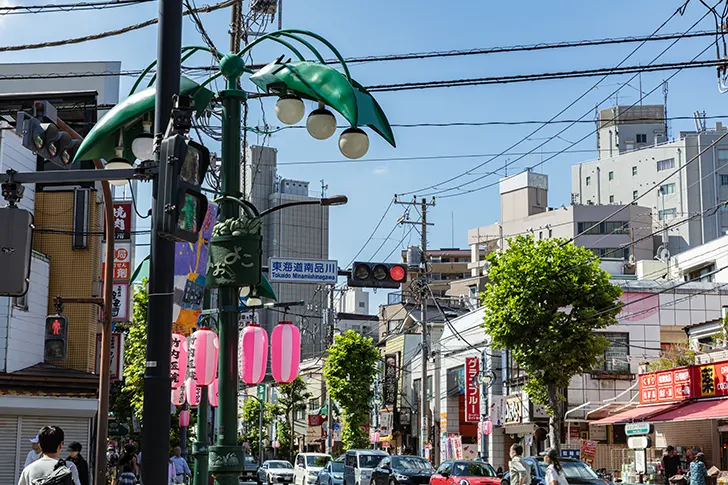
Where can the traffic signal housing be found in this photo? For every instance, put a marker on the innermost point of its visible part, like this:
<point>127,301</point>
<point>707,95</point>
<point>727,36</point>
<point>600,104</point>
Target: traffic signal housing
<point>46,140</point>
<point>377,275</point>
<point>56,337</point>
<point>182,167</point>
<point>16,245</point>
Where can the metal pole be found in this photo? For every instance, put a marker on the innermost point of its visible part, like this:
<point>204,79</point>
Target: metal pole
<point>376,410</point>
<point>260,432</point>
<point>199,447</point>
<point>183,437</point>
<point>483,405</point>
<point>436,441</point>
<point>424,408</point>
<point>330,402</point>
<point>227,459</point>
<point>157,383</point>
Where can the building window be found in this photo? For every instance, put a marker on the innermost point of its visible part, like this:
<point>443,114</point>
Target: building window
<point>704,274</point>
<point>588,180</point>
<point>473,291</point>
<point>300,414</point>
<point>667,214</point>
<point>723,154</point>
<point>361,304</point>
<point>668,189</point>
<point>551,233</point>
<point>540,234</point>
<point>611,199</point>
<point>641,137</point>
<point>21,302</point>
<point>616,358</point>
<point>609,227</point>
<point>665,164</point>
<point>635,194</point>
<point>611,175</point>
<point>723,179</point>
<point>634,171</point>
<point>614,253</point>
<point>313,406</point>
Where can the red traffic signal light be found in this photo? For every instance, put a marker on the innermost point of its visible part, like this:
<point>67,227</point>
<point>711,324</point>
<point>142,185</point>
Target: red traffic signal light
<point>377,275</point>
<point>56,337</point>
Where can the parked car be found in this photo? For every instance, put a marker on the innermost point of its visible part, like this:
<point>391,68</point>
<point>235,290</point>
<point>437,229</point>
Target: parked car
<point>307,467</point>
<point>577,472</point>
<point>275,471</point>
<point>455,472</point>
<point>332,474</point>
<point>359,465</point>
<point>250,472</point>
<point>402,470</point>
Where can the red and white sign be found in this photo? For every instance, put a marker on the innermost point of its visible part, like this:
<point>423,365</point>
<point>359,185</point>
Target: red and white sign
<point>120,302</point>
<point>472,392</point>
<point>122,221</point>
<point>487,427</point>
<point>122,262</point>
<point>666,386</point>
<point>115,355</point>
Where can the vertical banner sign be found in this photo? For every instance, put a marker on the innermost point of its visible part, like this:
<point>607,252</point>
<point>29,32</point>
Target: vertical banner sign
<point>122,221</point>
<point>115,355</point>
<point>120,302</point>
<point>190,268</point>
<point>472,392</point>
<point>122,261</point>
<point>390,378</point>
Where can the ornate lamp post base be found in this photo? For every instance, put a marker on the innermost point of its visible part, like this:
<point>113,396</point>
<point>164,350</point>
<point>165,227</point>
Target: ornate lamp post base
<point>226,463</point>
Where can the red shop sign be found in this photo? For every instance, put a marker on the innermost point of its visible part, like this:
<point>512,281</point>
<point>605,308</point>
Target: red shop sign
<point>472,392</point>
<point>667,385</point>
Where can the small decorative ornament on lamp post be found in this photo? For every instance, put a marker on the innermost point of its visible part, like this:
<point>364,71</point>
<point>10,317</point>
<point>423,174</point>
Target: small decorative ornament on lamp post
<point>254,355</point>
<point>178,364</point>
<point>203,356</point>
<point>184,418</point>
<point>192,392</point>
<point>285,352</point>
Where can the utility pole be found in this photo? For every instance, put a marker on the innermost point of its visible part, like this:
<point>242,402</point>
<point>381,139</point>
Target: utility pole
<point>157,382</point>
<point>424,404</point>
<point>377,397</point>
<point>483,404</point>
<point>330,401</point>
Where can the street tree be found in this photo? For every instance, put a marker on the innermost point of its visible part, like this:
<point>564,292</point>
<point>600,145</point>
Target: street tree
<point>135,348</point>
<point>251,417</point>
<point>349,371</point>
<point>292,397</point>
<point>545,302</point>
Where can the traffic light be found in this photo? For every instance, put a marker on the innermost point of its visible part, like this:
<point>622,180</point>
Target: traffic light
<point>16,245</point>
<point>377,275</point>
<point>183,164</point>
<point>43,137</point>
<point>56,337</point>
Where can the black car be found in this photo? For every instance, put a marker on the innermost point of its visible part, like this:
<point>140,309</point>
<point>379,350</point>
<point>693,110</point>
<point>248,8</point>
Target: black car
<point>402,470</point>
<point>250,472</point>
<point>577,472</point>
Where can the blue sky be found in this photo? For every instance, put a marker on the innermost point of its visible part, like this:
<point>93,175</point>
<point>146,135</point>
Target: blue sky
<point>379,27</point>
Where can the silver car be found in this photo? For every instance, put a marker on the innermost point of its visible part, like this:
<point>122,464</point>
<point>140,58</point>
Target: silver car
<point>332,474</point>
<point>275,471</point>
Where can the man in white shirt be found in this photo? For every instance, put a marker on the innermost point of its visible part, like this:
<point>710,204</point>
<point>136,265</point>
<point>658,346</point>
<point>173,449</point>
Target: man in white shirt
<point>50,439</point>
<point>33,454</point>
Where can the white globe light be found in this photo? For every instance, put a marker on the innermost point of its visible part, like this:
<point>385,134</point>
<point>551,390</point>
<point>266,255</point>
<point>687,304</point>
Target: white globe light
<point>353,143</point>
<point>290,109</point>
<point>118,163</point>
<point>143,147</point>
<point>321,124</point>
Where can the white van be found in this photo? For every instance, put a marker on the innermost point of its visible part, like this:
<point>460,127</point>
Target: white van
<point>359,465</point>
<point>307,467</point>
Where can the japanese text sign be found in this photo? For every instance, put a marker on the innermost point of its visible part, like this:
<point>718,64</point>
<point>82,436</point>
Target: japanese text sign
<point>666,386</point>
<point>122,262</point>
<point>120,302</point>
<point>115,355</point>
<point>713,380</point>
<point>472,393</point>
<point>390,378</point>
<point>122,221</point>
<point>297,270</point>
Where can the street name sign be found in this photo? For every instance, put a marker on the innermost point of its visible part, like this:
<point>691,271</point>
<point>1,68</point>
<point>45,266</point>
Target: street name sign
<point>637,429</point>
<point>299,270</point>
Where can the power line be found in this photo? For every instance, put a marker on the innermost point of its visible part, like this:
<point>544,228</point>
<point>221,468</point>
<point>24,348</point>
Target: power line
<point>108,33</point>
<point>67,7</point>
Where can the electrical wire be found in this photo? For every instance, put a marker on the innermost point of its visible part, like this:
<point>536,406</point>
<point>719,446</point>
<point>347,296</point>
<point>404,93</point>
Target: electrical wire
<point>134,203</point>
<point>66,7</point>
<point>376,228</point>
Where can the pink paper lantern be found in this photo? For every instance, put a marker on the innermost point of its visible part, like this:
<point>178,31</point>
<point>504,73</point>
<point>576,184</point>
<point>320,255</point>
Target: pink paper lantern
<point>285,352</point>
<point>377,436</point>
<point>203,357</point>
<point>254,356</point>
<point>178,395</point>
<point>178,364</point>
<point>193,392</point>
<point>184,418</point>
<point>213,394</point>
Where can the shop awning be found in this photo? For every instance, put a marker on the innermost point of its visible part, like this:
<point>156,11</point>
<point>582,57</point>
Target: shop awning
<point>712,409</point>
<point>640,413</point>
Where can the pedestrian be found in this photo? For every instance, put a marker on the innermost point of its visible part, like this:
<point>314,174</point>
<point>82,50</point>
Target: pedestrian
<point>698,472</point>
<point>554,471</point>
<point>181,468</point>
<point>112,460</point>
<point>519,469</point>
<point>172,471</point>
<point>670,463</point>
<point>75,457</point>
<point>126,475</point>
<point>50,439</point>
<point>33,454</point>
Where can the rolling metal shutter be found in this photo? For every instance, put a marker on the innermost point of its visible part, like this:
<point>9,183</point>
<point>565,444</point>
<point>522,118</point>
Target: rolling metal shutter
<point>9,450</point>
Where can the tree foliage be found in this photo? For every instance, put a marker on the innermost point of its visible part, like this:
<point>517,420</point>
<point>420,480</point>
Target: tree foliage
<point>251,417</point>
<point>350,369</point>
<point>546,300</point>
<point>135,350</point>
<point>679,355</point>
<point>292,397</point>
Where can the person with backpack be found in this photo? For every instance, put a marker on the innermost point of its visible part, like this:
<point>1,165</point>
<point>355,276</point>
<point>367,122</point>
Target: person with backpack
<point>49,469</point>
<point>127,475</point>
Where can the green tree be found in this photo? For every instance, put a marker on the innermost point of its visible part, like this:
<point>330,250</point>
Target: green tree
<point>251,417</point>
<point>349,371</point>
<point>545,301</point>
<point>135,350</point>
<point>292,397</point>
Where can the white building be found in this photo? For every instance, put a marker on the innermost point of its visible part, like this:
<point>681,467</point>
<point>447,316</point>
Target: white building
<point>354,300</point>
<point>638,158</point>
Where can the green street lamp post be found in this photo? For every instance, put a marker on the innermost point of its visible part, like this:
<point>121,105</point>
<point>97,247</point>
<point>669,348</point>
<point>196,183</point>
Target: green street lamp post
<point>234,235</point>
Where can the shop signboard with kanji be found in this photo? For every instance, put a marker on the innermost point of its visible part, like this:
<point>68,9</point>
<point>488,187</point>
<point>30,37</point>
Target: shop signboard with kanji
<point>120,302</point>
<point>472,392</point>
<point>122,262</point>
<point>390,378</point>
<point>116,352</point>
<point>122,220</point>
<point>666,386</point>
<point>712,379</point>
